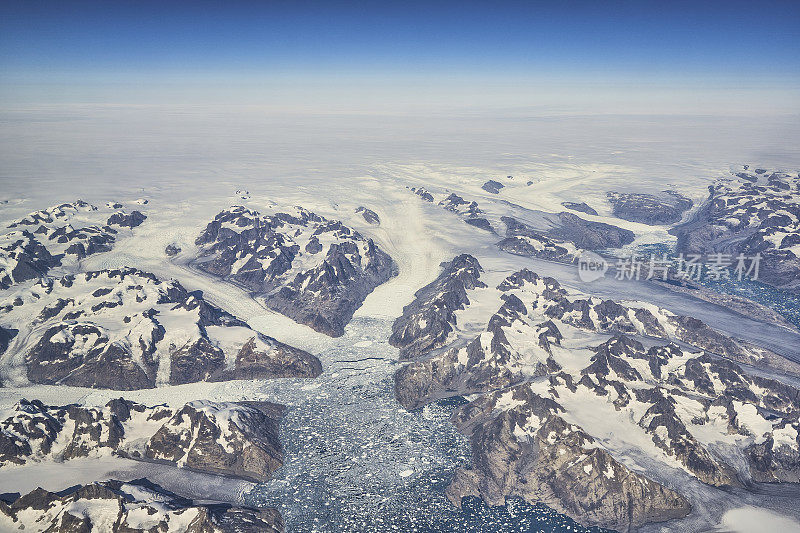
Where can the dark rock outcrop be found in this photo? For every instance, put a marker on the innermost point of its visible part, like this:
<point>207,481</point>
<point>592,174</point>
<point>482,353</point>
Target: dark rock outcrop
<point>488,362</point>
<point>458,205</point>
<point>665,208</point>
<point>126,220</point>
<point>581,207</point>
<point>468,211</point>
<point>422,193</point>
<point>326,297</point>
<point>523,240</point>
<point>540,247</point>
<point>172,250</point>
<point>492,186</point>
<point>671,435</point>
<point>480,223</point>
<point>564,240</point>
<point>369,215</point>
<point>590,235</point>
<point>777,460</point>
<point>26,259</point>
<point>5,338</point>
<point>255,360</point>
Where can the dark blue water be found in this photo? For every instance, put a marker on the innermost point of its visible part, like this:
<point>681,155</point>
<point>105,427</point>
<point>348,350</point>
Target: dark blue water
<point>516,516</point>
<point>785,303</point>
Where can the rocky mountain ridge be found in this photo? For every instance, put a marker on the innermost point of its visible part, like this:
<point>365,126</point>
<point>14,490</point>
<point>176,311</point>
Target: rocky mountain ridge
<point>236,439</point>
<point>311,269</point>
<point>428,321</point>
<point>548,358</point>
<point>137,506</point>
<point>750,213</point>
<point>59,235</point>
<point>126,329</point>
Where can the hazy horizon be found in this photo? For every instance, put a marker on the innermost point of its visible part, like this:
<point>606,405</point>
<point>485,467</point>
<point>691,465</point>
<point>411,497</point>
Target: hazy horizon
<point>322,57</point>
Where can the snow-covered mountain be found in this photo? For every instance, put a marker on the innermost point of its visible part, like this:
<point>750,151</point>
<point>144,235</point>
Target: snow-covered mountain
<point>519,337</point>
<point>137,506</point>
<point>551,359</point>
<point>523,446</point>
<point>127,329</point>
<point>618,408</point>
<point>751,212</point>
<point>233,439</point>
<point>428,322</point>
<point>61,234</point>
<point>311,269</point>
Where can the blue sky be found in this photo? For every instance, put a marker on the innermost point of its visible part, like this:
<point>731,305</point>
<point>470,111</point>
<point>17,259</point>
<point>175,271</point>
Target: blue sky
<point>251,51</point>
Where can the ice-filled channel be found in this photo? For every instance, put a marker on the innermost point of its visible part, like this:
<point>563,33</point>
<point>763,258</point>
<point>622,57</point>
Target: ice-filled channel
<point>357,461</point>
